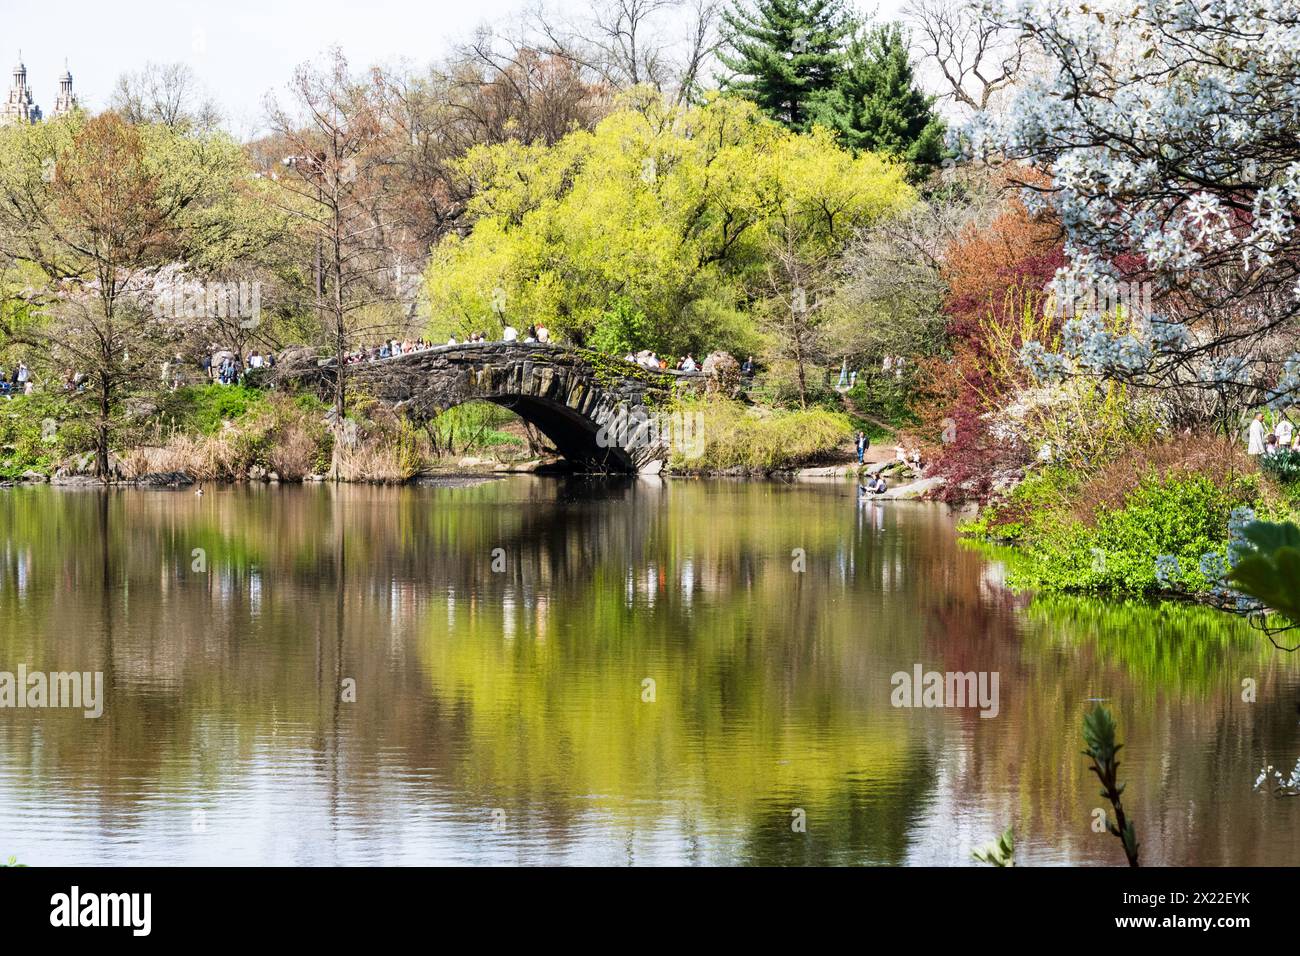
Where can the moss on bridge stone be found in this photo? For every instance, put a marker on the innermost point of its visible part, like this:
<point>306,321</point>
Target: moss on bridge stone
<point>580,399</point>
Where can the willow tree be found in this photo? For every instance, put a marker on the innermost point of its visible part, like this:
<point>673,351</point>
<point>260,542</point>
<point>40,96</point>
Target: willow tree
<point>657,229</point>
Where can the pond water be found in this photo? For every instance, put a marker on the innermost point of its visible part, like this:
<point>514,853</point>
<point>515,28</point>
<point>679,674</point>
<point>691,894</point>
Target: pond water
<point>571,671</point>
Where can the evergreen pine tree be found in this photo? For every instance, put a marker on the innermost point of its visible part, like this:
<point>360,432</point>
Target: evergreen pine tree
<point>876,105</point>
<point>785,52</point>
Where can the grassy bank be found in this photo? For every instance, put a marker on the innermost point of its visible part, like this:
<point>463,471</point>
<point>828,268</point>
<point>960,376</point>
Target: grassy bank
<point>730,438</point>
<point>1158,519</point>
<point>235,433</point>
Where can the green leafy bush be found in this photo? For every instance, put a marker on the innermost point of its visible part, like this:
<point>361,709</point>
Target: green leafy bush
<point>1284,465</point>
<point>1034,503</point>
<point>1184,515</point>
<point>736,438</point>
<point>203,409</point>
<point>38,430</point>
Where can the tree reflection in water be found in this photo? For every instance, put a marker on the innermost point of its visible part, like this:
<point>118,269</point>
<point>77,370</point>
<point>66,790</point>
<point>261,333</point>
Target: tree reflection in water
<point>520,691</point>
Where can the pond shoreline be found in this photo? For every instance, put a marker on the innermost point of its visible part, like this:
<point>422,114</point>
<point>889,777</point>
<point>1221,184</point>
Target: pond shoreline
<point>911,488</point>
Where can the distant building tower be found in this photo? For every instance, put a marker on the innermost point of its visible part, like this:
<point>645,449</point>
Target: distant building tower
<point>65,102</point>
<point>18,105</point>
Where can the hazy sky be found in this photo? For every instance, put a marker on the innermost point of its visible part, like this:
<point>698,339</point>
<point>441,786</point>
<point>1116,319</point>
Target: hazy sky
<point>241,49</point>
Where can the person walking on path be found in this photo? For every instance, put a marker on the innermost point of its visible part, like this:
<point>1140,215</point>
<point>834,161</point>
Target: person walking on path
<point>863,444</point>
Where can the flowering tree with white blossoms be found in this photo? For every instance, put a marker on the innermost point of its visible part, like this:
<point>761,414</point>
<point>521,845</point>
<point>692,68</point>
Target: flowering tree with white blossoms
<point>1171,132</point>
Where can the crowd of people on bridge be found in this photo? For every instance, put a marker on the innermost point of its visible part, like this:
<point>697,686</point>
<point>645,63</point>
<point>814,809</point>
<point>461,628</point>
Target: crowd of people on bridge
<point>387,349</point>
<point>227,367</point>
<point>646,358</point>
<point>391,348</point>
<point>536,334</point>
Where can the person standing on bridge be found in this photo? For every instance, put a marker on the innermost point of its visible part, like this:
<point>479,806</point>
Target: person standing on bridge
<point>509,334</point>
<point>543,334</point>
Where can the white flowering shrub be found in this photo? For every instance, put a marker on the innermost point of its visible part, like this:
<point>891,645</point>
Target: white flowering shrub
<point>1077,423</point>
<point>1170,131</point>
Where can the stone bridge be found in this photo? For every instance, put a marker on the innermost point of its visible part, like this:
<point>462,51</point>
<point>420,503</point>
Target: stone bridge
<point>591,406</point>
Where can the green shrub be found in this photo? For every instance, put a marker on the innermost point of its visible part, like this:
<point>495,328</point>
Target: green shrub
<point>203,409</point>
<point>1184,515</point>
<point>1035,502</point>
<point>27,442</point>
<point>1284,465</point>
<point>737,438</point>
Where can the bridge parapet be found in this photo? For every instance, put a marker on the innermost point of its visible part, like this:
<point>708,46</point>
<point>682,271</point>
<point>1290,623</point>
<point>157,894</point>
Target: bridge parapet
<point>591,406</point>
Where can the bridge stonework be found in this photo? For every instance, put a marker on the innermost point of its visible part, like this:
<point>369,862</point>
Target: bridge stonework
<point>589,406</point>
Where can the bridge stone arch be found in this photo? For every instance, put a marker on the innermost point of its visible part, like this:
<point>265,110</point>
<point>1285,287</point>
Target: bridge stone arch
<point>593,408</point>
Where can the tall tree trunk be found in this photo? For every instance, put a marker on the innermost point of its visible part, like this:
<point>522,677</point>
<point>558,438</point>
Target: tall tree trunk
<point>340,347</point>
<point>101,430</point>
<point>798,362</point>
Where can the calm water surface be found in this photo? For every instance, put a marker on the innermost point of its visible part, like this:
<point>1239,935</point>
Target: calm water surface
<point>500,716</point>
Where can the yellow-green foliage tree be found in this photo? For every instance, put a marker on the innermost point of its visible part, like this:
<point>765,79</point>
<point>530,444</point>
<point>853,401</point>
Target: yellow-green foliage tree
<point>655,230</point>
